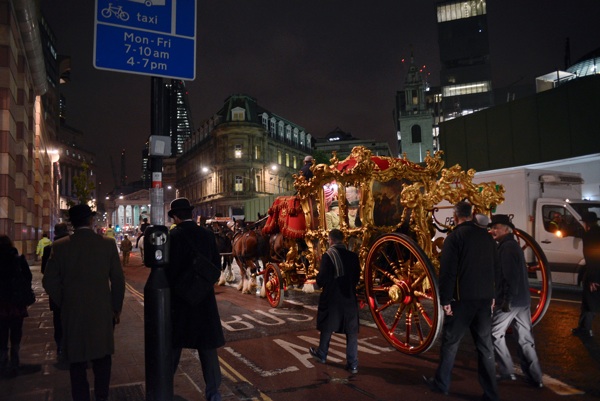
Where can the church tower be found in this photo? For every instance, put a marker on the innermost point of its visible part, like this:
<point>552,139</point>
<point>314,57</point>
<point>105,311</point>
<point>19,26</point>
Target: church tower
<point>414,121</point>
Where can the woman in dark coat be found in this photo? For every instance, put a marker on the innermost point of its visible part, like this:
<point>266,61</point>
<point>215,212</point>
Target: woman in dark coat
<point>338,276</point>
<point>12,312</point>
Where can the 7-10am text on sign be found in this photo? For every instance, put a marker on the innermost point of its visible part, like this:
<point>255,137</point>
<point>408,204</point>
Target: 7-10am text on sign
<point>148,37</point>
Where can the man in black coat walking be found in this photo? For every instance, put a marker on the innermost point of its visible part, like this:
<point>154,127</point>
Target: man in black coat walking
<point>469,267</point>
<point>194,326</point>
<point>590,297</point>
<point>338,276</point>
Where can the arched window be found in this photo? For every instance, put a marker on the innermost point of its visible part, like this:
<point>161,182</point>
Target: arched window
<point>416,133</point>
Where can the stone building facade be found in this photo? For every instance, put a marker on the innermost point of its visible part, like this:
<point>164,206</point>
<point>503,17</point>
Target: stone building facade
<point>243,152</point>
<point>28,181</point>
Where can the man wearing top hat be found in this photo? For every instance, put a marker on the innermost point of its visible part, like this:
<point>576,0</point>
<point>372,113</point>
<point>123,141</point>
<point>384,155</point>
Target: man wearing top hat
<point>590,297</point>
<point>85,279</point>
<point>512,306</point>
<point>194,326</point>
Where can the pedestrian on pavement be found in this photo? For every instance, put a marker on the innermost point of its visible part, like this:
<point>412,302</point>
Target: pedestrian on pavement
<point>338,276</point>
<point>126,247</point>
<point>305,170</point>
<point>110,232</point>
<point>42,243</point>
<point>469,266</point>
<point>590,297</point>
<point>143,227</point>
<point>13,308</point>
<point>194,326</point>
<point>85,278</point>
<point>513,306</point>
<point>60,230</point>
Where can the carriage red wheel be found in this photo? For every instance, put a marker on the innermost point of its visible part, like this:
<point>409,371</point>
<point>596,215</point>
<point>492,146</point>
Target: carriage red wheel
<point>402,292</point>
<point>273,285</point>
<point>540,279</point>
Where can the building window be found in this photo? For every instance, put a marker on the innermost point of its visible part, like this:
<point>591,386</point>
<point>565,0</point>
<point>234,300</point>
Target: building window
<point>257,152</point>
<point>295,162</point>
<point>279,158</point>
<point>272,128</point>
<point>238,151</point>
<point>416,134</point>
<point>466,89</point>
<point>238,114</point>
<point>280,130</point>
<point>287,159</point>
<point>265,120</point>
<point>460,10</point>
<point>239,184</point>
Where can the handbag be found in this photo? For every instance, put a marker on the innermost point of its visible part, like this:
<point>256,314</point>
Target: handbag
<point>197,281</point>
<point>22,293</point>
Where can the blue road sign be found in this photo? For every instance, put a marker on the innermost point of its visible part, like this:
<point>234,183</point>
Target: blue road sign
<point>148,37</point>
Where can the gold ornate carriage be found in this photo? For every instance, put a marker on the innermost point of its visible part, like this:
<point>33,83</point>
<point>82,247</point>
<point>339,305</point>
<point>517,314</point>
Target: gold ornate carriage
<point>389,210</point>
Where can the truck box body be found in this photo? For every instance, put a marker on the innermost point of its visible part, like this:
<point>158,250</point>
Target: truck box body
<point>536,197</point>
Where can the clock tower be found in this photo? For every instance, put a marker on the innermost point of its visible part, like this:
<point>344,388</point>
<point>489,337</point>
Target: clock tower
<point>414,120</point>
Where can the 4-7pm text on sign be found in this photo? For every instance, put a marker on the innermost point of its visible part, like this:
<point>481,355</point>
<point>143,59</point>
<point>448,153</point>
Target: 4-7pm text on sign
<point>148,37</point>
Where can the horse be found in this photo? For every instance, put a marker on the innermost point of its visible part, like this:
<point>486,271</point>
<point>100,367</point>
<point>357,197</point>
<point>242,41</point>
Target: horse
<point>223,236</point>
<point>249,247</point>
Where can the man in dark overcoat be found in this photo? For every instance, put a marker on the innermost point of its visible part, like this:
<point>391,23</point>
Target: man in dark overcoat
<point>338,276</point>
<point>198,326</point>
<point>590,296</point>
<point>469,267</point>
<point>85,279</point>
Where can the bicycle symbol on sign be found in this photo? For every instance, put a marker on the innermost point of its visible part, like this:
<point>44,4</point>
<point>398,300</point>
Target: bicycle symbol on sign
<point>116,11</point>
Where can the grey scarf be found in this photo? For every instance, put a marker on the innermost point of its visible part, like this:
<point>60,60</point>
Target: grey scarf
<point>337,260</point>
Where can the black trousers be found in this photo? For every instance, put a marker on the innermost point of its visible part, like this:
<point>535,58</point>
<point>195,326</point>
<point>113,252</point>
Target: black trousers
<point>12,329</point>
<point>211,371</point>
<point>80,388</point>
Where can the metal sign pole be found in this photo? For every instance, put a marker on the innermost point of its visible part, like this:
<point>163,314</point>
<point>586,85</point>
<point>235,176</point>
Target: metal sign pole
<point>157,294</point>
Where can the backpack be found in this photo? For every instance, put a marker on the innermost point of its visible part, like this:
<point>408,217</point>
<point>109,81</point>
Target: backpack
<point>22,293</point>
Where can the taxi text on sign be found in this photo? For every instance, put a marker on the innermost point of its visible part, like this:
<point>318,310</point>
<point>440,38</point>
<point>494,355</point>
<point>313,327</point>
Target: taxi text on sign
<point>148,37</point>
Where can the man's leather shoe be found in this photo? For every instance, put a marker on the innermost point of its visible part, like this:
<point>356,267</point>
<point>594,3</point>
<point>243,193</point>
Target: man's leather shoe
<point>352,369</point>
<point>316,354</point>
<point>581,332</point>
<point>430,382</point>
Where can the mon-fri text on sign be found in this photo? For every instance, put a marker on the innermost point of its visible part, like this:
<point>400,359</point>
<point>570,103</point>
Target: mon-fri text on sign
<point>148,37</point>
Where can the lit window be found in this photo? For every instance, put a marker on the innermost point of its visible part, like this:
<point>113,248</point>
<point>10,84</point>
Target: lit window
<point>460,10</point>
<point>238,114</point>
<point>257,152</point>
<point>287,159</point>
<point>239,184</point>
<point>295,162</point>
<point>279,156</point>
<point>238,151</point>
<point>466,89</point>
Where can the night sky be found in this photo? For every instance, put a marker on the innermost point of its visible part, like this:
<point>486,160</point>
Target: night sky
<point>319,63</point>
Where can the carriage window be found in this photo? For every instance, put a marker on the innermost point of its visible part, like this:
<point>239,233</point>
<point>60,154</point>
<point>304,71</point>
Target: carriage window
<point>332,218</point>
<point>353,198</point>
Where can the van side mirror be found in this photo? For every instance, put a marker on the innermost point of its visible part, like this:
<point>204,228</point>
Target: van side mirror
<point>156,246</point>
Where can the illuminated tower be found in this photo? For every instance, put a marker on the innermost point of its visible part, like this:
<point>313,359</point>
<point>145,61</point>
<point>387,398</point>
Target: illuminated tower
<point>466,74</point>
<point>181,125</point>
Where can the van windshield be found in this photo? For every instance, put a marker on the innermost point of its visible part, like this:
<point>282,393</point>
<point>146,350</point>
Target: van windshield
<point>583,207</point>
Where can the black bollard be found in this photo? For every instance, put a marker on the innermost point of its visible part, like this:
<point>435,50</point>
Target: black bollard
<point>157,317</point>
